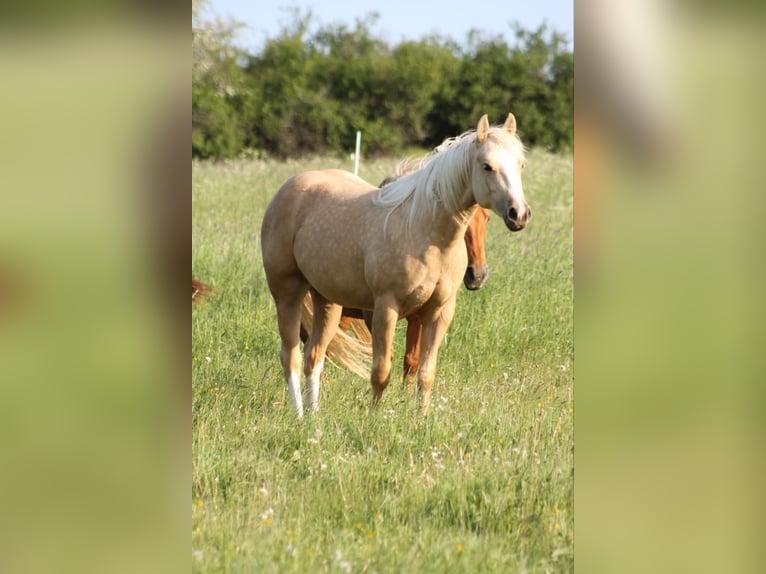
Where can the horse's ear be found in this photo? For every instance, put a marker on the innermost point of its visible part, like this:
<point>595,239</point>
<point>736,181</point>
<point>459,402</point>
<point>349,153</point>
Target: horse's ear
<point>482,130</point>
<point>510,124</point>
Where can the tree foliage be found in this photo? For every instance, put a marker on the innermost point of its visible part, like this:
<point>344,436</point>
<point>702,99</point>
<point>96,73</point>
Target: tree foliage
<point>306,93</point>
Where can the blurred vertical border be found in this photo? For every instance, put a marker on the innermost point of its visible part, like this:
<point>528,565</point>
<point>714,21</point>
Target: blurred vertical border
<point>94,234</point>
<point>669,284</point>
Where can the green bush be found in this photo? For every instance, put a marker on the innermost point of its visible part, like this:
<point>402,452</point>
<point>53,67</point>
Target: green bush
<point>308,94</point>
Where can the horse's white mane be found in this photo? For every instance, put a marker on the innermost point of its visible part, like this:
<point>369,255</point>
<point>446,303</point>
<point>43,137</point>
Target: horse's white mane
<point>416,177</point>
<point>439,177</point>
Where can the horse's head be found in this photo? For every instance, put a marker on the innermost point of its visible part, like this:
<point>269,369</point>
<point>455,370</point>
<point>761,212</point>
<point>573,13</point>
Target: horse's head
<point>496,172</point>
<point>475,235</point>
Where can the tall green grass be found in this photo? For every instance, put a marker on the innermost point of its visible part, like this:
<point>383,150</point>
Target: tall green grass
<point>484,484</point>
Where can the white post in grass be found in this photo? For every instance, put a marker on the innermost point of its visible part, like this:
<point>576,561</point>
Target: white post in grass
<point>356,153</point>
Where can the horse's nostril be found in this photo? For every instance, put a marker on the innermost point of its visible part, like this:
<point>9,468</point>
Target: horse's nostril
<point>513,214</point>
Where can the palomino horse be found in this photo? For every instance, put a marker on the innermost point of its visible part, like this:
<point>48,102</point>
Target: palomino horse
<point>396,251</point>
<point>355,355</point>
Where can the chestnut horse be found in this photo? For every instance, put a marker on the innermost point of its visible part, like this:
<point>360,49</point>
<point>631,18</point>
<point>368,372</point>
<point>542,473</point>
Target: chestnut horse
<point>199,290</point>
<point>397,251</point>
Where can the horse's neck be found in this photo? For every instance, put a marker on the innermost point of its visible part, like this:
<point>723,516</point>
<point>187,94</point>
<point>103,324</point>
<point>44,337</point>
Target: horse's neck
<point>450,227</point>
<point>446,204</point>
<point>455,203</point>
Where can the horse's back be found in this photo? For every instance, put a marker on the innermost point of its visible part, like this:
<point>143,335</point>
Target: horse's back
<point>300,192</point>
<point>312,212</point>
<point>327,182</point>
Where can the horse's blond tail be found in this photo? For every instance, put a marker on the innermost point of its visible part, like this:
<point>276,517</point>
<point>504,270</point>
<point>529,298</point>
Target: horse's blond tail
<point>361,332</point>
<point>352,353</point>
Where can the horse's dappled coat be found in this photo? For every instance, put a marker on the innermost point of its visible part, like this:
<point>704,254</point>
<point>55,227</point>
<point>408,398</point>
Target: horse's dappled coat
<point>397,251</point>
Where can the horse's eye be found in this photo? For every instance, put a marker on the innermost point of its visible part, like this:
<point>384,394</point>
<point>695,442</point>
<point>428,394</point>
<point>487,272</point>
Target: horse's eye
<point>486,167</point>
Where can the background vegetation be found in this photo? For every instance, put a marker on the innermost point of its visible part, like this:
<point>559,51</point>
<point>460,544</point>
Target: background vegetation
<point>308,93</point>
<point>484,484</point>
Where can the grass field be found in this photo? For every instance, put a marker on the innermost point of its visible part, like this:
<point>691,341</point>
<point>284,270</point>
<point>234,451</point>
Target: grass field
<point>484,484</point>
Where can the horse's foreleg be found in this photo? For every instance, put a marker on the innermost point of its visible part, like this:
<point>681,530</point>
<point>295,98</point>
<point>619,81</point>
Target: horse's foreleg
<point>289,319</point>
<point>434,328</point>
<point>412,353</point>
<point>323,329</point>
<point>383,326</point>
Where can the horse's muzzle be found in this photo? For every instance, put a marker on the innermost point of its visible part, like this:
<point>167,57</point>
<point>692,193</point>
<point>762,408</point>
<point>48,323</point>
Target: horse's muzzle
<point>475,276</point>
<point>515,221</point>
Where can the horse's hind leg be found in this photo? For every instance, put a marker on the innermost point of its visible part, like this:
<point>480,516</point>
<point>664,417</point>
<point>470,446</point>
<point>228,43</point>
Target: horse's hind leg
<point>289,331</point>
<point>412,353</point>
<point>323,329</point>
<point>289,304</point>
